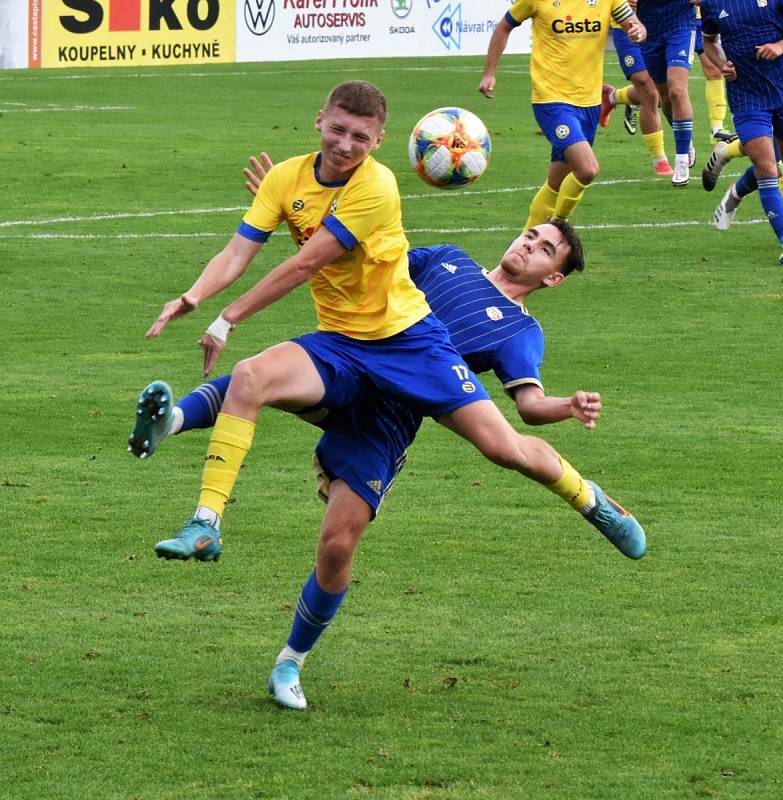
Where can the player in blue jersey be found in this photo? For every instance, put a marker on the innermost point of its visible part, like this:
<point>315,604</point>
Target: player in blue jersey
<point>668,54</point>
<point>744,39</point>
<point>490,328</point>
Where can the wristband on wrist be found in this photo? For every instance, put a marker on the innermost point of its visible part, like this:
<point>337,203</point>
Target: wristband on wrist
<point>220,329</point>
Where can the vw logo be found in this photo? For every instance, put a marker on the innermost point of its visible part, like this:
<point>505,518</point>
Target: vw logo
<point>259,16</point>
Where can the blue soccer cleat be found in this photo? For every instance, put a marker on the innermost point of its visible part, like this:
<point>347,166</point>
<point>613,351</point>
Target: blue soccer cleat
<point>618,525</point>
<point>284,686</point>
<point>197,539</point>
<point>153,419</point>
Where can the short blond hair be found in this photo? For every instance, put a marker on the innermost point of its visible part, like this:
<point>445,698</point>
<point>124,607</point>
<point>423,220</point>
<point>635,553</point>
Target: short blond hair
<point>358,97</point>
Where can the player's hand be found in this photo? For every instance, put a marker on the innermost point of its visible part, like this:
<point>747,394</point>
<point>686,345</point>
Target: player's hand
<point>174,309</point>
<point>212,347</point>
<point>257,171</point>
<point>769,52</point>
<point>487,86</point>
<point>729,71</point>
<point>586,407</point>
<point>636,32</point>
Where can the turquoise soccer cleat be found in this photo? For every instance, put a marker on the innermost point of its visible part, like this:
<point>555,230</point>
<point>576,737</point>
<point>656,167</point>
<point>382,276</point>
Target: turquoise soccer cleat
<point>197,539</point>
<point>153,419</point>
<point>284,686</point>
<point>618,525</point>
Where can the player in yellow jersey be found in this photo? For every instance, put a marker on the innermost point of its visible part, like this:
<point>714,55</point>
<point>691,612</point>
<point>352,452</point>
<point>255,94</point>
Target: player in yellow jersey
<point>375,330</point>
<point>566,68</point>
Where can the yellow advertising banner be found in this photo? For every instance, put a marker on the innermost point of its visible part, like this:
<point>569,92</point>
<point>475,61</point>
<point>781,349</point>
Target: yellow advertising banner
<point>113,33</point>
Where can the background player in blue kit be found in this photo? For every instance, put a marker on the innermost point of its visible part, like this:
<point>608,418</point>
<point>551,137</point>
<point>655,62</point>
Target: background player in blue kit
<point>668,54</point>
<point>744,39</point>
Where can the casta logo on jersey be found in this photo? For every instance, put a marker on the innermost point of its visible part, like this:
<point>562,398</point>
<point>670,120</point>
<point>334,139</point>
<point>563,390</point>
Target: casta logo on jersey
<point>569,25</point>
<point>259,16</point>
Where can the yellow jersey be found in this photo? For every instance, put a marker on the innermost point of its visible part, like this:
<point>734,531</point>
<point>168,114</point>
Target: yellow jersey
<point>367,293</point>
<point>569,38</point>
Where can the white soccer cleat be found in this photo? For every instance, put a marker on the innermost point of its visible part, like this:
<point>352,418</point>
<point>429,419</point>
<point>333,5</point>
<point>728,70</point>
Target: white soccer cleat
<point>714,166</point>
<point>727,208</point>
<point>681,174</point>
<point>284,686</point>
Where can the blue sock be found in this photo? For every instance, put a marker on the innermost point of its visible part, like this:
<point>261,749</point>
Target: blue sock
<point>683,133</point>
<point>201,407</point>
<point>314,611</point>
<point>747,182</point>
<point>772,203</point>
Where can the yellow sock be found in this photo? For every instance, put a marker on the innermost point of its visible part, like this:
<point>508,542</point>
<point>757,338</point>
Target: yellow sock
<point>542,206</point>
<point>654,143</point>
<point>715,91</point>
<point>733,149</point>
<point>569,196</point>
<point>572,487</point>
<point>621,96</point>
<point>231,439</point>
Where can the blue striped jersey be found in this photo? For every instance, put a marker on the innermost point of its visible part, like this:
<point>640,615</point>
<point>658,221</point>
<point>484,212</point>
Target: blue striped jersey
<point>489,330</point>
<point>742,25</point>
<point>663,16</point>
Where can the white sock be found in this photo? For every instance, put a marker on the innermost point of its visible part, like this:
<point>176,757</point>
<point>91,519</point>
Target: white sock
<point>208,515</point>
<point>289,654</point>
<point>177,418</point>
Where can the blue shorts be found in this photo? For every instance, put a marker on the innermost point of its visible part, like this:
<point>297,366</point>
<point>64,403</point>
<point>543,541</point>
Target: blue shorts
<point>675,49</point>
<point>750,125</point>
<point>365,446</point>
<point>698,44</point>
<point>419,366</point>
<point>564,125</point>
<point>629,54</point>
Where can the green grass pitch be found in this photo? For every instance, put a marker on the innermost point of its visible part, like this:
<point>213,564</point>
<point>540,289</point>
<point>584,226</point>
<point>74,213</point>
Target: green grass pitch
<point>492,645</point>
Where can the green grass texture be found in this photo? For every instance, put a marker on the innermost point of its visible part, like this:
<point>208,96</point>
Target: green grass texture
<point>492,645</point>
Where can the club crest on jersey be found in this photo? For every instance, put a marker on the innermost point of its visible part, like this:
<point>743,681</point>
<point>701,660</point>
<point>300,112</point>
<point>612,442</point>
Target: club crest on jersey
<point>333,207</point>
<point>591,3</point>
<point>761,3</point>
<point>298,205</point>
<point>562,131</point>
<point>449,267</point>
<point>494,313</point>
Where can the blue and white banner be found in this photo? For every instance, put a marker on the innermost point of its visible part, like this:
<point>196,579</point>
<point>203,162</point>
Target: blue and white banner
<point>295,30</point>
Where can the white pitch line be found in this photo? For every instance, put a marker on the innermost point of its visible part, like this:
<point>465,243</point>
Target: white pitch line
<point>234,209</point>
<point>33,110</point>
<point>505,229</point>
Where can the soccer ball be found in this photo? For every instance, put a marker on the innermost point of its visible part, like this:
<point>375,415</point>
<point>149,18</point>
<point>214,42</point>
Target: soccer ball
<point>449,148</point>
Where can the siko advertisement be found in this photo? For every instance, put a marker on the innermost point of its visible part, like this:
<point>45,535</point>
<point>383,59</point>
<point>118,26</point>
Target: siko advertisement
<point>111,33</point>
<point>295,30</point>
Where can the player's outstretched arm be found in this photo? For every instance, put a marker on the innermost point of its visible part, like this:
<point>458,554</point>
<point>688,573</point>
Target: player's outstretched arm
<point>220,272</point>
<point>497,44</point>
<point>537,408</point>
<point>256,172</point>
<point>321,249</point>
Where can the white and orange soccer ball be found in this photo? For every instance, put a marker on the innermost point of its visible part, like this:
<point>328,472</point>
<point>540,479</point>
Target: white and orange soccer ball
<point>449,147</point>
